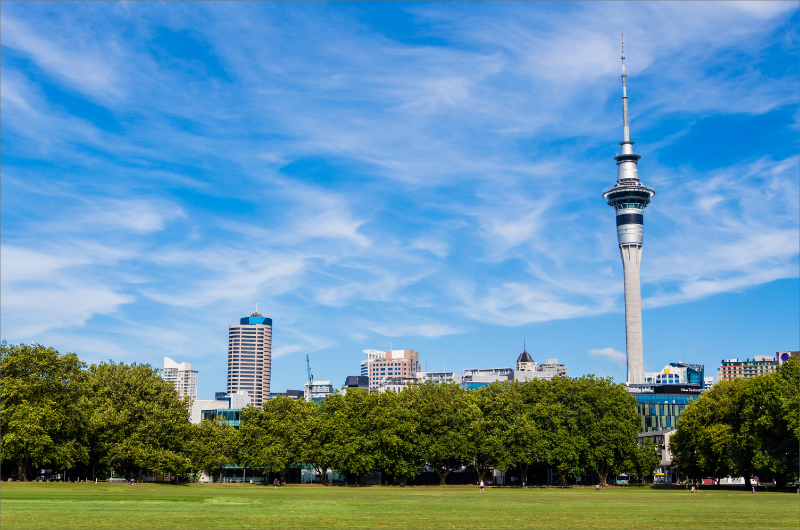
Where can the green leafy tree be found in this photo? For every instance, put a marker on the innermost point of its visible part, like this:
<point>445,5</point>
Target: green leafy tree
<point>210,445</point>
<point>319,447</point>
<point>489,426</point>
<point>138,422</point>
<point>770,415</point>
<point>42,413</point>
<point>273,438</point>
<point>355,448</point>
<point>564,432</point>
<point>610,422</point>
<point>642,461</point>
<point>445,415</point>
<point>395,428</point>
<point>712,439</point>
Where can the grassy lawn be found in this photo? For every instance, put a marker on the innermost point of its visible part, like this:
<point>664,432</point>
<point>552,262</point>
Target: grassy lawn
<point>53,505</point>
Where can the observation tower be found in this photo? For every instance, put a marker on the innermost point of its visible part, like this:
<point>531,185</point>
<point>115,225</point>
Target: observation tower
<point>630,197</point>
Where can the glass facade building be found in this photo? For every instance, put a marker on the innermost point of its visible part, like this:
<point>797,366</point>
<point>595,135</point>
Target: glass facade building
<point>660,406</point>
<point>231,417</point>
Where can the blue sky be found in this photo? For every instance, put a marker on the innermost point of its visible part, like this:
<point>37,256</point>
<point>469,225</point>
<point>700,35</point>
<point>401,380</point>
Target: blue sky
<point>422,175</point>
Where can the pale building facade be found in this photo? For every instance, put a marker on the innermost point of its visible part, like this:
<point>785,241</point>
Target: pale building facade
<point>439,377</point>
<point>395,383</point>
<point>392,363</point>
<point>317,390</point>
<point>250,357</point>
<point>528,370</point>
<point>182,376</point>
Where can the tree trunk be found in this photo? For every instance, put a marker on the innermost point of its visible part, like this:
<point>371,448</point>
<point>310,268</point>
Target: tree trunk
<point>22,469</point>
<point>443,476</point>
<point>747,482</point>
<point>602,473</point>
<point>523,474</point>
<point>562,473</point>
<point>403,480</point>
<point>362,479</point>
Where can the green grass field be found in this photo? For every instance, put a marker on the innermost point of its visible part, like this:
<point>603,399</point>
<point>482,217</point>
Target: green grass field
<point>53,505</point>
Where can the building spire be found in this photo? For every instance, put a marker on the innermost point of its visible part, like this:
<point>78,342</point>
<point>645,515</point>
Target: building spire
<point>626,136</point>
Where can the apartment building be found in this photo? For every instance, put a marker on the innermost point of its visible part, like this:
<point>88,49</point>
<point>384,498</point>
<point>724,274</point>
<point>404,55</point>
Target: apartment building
<point>182,376</point>
<point>759,365</point>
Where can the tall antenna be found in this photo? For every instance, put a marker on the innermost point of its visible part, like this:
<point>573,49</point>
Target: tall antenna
<point>626,135</point>
<point>308,369</point>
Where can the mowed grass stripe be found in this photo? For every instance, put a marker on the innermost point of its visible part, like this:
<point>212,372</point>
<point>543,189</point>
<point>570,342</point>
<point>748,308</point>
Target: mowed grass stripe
<point>44,505</point>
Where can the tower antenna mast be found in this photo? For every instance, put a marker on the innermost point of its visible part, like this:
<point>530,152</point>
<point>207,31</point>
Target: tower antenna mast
<point>626,136</point>
<point>308,370</point>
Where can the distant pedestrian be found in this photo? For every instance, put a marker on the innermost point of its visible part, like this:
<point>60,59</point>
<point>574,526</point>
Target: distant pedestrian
<point>597,487</point>
<point>277,482</point>
<point>692,488</point>
<point>754,489</point>
<point>481,486</point>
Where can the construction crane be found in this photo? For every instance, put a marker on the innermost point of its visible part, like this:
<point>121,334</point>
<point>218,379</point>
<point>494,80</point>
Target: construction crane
<point>308,369</point>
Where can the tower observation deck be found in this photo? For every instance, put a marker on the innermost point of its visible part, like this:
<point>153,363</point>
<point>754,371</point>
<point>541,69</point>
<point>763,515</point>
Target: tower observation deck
<point>630,197</point>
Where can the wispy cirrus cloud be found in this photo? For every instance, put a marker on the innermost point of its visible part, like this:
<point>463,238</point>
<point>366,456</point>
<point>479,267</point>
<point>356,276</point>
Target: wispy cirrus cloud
<point>364,182</point>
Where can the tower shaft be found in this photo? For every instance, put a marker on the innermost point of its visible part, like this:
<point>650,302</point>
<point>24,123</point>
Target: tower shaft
<point>631,257</point>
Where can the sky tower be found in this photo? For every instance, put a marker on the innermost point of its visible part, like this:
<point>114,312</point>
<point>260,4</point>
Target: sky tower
<point>630,197</point>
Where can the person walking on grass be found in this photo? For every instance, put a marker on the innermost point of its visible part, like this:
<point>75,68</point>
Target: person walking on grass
<point>482,484</point>
<point>276,483</point>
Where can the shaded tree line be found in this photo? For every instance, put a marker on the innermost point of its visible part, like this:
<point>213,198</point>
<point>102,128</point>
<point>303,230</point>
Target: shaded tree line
<point>743,428</point>
<point>58,412</point>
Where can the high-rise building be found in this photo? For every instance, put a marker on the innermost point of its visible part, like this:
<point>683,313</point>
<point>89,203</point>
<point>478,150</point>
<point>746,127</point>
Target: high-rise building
<point>250,357</point>
<point>630,197</point>
<point>391,363</point>
<point>760,365</point>
<point>182,376</point>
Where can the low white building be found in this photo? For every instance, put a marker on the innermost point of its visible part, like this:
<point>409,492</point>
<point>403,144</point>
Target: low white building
<point>235,400</point>
<point>439,377</point>
<point>484,375</point>
<point>395,383</point>
<point>182,376</point>
<point>317,390</point>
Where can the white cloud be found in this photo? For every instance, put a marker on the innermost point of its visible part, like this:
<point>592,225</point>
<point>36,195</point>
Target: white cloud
<point>610,354</point>
<point>83,69</point>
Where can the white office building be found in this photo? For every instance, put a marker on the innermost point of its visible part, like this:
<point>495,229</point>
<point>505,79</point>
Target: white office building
<point>439,377</point>
<point>318,390</point>
<point>182,376</point>
<point>395,383</point>
<point>223,400</point>
<point>250,357</point>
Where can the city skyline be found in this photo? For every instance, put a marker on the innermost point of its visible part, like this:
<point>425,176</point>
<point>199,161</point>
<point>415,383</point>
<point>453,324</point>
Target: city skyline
<point>415,176</point>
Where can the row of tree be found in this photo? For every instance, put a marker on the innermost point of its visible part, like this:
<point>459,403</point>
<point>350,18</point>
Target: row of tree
<point>743,428</point>
<point>59,413</point>
<point>579,426</point>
